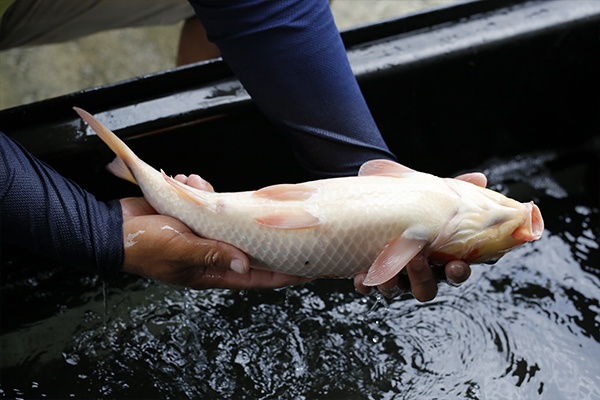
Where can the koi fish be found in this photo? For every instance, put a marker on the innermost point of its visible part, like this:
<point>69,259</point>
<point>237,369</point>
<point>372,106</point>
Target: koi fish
<point>339,227</point>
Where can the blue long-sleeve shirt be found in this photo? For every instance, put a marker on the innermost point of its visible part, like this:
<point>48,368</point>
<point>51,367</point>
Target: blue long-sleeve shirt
<point>289,56</point>
<point>43,211</point>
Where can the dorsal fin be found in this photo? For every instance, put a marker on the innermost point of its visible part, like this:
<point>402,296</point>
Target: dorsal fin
<point>286,192</point>
<point>383,168</point>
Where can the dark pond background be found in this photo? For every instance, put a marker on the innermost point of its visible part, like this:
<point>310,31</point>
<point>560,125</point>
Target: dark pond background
<point>527,327</point>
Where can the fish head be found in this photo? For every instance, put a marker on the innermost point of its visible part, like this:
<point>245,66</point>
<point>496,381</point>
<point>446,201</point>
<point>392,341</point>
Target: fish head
<point>489,226</point>
<point>504,235</point>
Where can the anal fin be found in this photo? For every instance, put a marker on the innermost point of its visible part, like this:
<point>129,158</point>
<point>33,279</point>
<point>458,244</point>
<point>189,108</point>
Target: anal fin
<point>394,257</point>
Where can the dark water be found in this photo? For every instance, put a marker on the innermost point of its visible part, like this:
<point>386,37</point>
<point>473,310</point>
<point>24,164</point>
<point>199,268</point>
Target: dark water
<point>525,328</point>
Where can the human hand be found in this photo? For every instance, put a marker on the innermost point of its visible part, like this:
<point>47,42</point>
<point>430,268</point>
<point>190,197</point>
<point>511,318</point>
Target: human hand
<point>418,276</point>
<point>163,248</point>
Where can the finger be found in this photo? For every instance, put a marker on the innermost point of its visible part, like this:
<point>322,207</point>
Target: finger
<point>181,178</point>
<point>476,178</point>
<point>422,281</point>
<point>136,206</point>
<point>390,288</point>
<point>394,287</point>
<point>195,181</point>
<point>213,254</point>
<point>457,272</point>
<point>254,279</point>
<point>360,286</point>
<point>200,183</point>
<point>403,282</point>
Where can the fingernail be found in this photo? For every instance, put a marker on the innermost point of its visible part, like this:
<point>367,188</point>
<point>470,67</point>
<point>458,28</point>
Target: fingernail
<point>459,270</point>
<point>238,266</point>
<point>452,283</point>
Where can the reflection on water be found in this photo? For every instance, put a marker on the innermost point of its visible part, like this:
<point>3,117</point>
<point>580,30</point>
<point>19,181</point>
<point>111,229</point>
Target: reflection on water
<point>527,327</point>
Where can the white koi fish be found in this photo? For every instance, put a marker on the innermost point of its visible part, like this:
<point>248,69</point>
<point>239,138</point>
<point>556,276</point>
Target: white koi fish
<point>376,221</point>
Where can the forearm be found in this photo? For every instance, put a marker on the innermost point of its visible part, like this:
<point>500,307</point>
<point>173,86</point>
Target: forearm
<point>47,213</point>
<point>290,58</point>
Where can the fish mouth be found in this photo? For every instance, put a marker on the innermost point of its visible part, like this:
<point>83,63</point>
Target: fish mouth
<point>533,227</point>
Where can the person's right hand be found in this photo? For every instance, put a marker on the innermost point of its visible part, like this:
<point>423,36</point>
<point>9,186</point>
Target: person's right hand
<point>418,277</point>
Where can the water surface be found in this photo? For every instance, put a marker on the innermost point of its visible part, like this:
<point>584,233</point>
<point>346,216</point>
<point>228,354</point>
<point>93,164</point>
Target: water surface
<point>525,328</point>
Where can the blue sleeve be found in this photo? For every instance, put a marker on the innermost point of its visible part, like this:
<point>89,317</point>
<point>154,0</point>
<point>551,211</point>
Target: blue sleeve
<point>290,57</point>
<point>45,212</point>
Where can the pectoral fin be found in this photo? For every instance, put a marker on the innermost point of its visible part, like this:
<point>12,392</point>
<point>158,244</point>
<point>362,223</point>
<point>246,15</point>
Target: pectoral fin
<point>394,257</point>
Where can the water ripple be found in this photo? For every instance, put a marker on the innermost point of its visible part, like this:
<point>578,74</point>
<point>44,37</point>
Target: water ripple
<point>525,328</point>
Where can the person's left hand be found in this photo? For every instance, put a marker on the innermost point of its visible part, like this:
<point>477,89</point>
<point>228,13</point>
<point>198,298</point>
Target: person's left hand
<point>163,248</point>
<point>418,276</point>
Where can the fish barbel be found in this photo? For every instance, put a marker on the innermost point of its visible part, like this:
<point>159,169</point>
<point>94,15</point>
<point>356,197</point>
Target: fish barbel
<point>339,227</point>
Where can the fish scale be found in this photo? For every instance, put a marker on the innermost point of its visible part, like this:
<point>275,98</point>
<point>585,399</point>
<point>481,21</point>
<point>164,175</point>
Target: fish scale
<point>375,222</point>
<point>341,246</point>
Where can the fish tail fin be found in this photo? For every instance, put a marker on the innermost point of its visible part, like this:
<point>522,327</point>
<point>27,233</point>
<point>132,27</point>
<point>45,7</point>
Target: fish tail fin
<point>125,157</point>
